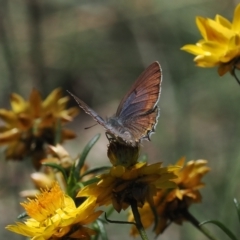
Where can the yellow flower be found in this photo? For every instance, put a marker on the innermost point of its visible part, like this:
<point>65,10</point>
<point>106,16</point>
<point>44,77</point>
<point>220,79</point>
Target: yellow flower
<point>220,45</point>
<point>121,186</point>
<point>31,124</point>
<point>53,215</point>
<point>171,205</point>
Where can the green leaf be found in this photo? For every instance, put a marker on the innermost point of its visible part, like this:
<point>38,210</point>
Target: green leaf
<point>58,167</point>
<point>237,207</point>
<point>220,225</point>
<point>101,230</point>
<point>94,170</point>
<point>71,183</point>
<point>84,155</point>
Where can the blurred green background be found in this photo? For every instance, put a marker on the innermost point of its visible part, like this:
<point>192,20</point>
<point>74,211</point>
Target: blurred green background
<point>96,49</point>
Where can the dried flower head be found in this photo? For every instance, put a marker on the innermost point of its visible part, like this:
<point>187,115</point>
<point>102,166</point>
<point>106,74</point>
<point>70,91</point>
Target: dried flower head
<point>32,124</point>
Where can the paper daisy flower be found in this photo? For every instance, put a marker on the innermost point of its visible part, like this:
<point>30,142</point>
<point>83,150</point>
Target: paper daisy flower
<point>220,45</point>
<point>54,215</point>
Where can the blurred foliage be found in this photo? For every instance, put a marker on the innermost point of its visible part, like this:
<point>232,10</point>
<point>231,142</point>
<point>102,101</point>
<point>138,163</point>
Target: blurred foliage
<point>96,49</point>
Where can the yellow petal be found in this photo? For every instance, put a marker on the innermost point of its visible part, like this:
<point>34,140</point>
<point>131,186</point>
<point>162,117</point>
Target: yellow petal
<point>166,177</point>
<point>106,182</point>
<point>223,21</point>
<point>18,104</point>
<point>193,49</point>
<point>181,161</point>
<point>68,114</point>
<point>212,48</point>
<point>206,61</point>
<point>179,194</point>
<point>73,111</point>
<point>213,31</point>
<point>65,117</point>
<point>51,101</point>
<point>117,171</point>
<point>217,32</point>
<point>232,51</point>
<point>9,117</point>
<point>62,103</point>
<point>236,19</point>
<point>9,136</point>
<point>150,169</point>
<point>202,26</point>
<point>91,217</point>
<point>88,190</point>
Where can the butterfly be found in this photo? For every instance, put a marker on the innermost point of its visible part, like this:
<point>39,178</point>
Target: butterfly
<point>137,113</point>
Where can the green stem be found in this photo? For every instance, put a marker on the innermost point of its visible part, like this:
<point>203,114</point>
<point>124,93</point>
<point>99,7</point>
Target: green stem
<point>137,218</point>
<point>196,223</point>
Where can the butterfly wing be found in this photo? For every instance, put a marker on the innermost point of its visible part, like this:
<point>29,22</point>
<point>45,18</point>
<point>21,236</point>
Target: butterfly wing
<point>88,110</point>
<point>138,111</point>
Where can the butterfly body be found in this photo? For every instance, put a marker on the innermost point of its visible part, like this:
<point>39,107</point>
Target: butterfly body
<point>137,113</point>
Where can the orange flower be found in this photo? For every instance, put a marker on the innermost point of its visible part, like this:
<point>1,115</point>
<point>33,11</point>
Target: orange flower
<point>172,204</point>
<point>53,215</point>
<point>31,124</point>
<point>121,185</point>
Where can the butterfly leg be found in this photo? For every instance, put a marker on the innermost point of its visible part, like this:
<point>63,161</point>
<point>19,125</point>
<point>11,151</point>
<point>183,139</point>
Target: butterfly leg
<point>109,137</point>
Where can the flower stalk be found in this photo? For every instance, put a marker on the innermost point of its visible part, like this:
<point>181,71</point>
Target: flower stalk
<point>138,221</point>
<point>196,224</point>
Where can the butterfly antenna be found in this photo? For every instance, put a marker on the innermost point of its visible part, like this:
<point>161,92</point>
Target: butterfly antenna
<point>90,126</point>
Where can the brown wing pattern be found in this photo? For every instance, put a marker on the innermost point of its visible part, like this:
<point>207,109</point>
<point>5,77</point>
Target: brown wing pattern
<point>143,95</point>
<point>138,111</point>
<point>142,126</point>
